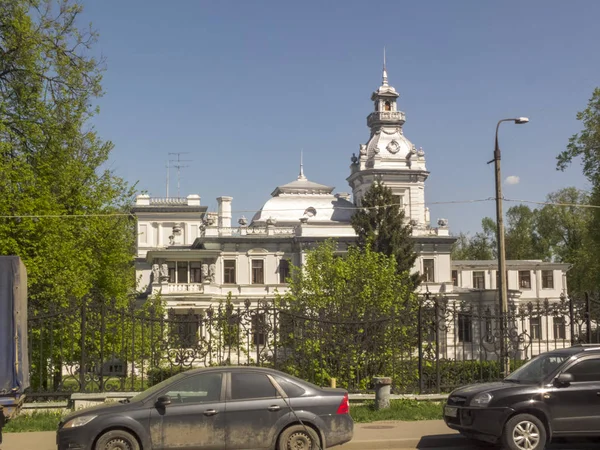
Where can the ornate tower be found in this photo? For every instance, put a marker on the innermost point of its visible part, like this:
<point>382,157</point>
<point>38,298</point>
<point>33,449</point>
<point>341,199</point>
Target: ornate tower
<point>390,157</point>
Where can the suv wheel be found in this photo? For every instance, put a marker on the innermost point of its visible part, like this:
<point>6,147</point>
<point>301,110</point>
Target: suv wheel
<point>524,432</point>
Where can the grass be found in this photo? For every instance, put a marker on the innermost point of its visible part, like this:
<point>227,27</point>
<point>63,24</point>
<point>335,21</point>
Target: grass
<point>36,421</point>
<point>406,410</point>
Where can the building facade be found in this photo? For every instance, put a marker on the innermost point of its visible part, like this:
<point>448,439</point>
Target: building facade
<point>197,258</point>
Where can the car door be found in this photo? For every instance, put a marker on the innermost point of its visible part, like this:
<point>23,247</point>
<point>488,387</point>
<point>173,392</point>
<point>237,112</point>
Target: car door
<point>253,408</point>
<point>194,419</point>
<point>576,408</point>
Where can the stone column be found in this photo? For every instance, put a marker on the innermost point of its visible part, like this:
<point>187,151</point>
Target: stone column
<point>383,389</point>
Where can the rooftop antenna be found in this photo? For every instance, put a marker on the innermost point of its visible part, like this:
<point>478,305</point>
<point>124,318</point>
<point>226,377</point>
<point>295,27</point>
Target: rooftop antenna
<point>168,167</point>
<point>178,165</point>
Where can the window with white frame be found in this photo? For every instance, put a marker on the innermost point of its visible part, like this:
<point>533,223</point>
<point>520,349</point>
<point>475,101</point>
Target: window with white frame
<point>478,279</point>
<point>524,279</point>
<point>229,271</point>
<point>284,270</point>
<point>258,271</point>
<point>465,328</point>
<point>560,331</point>
<point>184,272</point>
<point>429,270</point>
<point>535,328</point>
<point>547,279</point>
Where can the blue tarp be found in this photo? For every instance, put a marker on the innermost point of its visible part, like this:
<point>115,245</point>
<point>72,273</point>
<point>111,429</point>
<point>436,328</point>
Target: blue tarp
<point>14,359</point>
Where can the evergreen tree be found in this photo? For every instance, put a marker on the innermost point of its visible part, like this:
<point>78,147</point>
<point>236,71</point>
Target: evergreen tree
<point>381,225</point>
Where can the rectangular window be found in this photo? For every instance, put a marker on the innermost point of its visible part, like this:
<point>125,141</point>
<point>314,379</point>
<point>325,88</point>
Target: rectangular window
<point>455,277</point>
<point>559,328</point>
<point>465,328</point>
<point>524,279</point>
<point>258,271</point>
<point>195,272</point>
<point>182,272</point>
<point>479,280</point>
<point>397,200</point>
<point>489,330</point>
<point>284,270</point>
<point>172,271</point>
<point>259,330</point>
<point>535,328</point>
<point>547,279</point>
<point>229,271</point>
<point>428,270</point>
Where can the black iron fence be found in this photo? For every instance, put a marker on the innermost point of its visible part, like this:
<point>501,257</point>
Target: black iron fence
<point>96,346</point>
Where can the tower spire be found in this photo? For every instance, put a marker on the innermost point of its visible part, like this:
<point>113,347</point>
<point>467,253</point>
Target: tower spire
<point>301,176</point>
<point>385,78</point>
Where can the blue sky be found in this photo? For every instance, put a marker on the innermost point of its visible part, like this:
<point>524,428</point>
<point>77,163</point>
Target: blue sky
<point>245,86</point>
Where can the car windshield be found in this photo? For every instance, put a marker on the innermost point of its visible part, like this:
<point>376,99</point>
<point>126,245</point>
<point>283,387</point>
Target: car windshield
<point>157,387</point>
<point>537,369</point>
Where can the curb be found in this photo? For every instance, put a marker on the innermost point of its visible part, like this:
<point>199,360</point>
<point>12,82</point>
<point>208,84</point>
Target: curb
<point>446,441</point>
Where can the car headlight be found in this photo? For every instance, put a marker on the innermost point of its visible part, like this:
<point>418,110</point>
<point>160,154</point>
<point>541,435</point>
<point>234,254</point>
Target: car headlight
<point>482,399</point>
<point>79,421</point>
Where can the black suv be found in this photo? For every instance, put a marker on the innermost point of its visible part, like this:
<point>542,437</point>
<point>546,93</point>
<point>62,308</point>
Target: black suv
<point>556,394</point>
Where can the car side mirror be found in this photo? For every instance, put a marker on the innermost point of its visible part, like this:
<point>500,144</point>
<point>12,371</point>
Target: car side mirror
<point>564,379</point>
<point>163,400</point>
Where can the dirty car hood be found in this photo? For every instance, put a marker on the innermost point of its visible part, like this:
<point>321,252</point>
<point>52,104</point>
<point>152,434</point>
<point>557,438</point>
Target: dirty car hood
<point>105,408</point>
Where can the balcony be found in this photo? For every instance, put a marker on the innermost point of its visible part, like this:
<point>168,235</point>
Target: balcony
<point>249,231</point>
<point>179,288</point>
<point>386,117</point>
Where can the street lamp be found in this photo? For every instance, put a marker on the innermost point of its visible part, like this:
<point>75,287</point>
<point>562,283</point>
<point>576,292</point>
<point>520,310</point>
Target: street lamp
<point>502,288</point>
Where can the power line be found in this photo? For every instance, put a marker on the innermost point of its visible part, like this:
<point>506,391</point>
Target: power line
<point>354,208</point>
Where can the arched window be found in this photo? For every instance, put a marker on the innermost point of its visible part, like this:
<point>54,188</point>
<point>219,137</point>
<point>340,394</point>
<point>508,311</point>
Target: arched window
<point>388,106</point>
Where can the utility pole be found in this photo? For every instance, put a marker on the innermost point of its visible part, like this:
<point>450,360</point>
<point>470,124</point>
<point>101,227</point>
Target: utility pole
<point>502,286</point>
<point>178,165</point>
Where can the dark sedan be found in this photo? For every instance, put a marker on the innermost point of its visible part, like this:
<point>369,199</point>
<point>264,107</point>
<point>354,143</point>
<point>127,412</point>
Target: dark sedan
<point>216,408</point>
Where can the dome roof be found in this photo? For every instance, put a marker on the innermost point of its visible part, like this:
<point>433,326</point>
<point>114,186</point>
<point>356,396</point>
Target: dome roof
<point>304,198</point>
<point>286,210</point>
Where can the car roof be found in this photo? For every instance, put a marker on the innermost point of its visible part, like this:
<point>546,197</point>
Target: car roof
<point>576,349</point>
<point>235,369</point>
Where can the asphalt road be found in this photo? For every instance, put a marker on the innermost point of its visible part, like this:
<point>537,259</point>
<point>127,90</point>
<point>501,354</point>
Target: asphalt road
<point>425,435</point>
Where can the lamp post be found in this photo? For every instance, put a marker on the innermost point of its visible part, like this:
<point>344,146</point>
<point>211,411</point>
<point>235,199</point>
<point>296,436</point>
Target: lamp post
<point>502,288</point>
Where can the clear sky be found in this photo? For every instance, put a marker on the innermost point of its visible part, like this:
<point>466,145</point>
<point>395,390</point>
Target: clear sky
<point>244,86</point>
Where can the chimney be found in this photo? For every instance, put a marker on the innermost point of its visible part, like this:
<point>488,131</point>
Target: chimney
<point>224,211</point>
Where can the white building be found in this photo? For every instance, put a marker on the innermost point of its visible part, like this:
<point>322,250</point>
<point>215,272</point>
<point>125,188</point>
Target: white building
<point>195,258</point>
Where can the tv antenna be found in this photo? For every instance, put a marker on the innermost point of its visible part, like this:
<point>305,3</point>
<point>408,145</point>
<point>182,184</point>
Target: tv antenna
<point>178,165</point>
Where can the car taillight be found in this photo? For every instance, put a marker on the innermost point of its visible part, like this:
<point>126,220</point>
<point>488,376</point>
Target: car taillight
<point>344,407</point>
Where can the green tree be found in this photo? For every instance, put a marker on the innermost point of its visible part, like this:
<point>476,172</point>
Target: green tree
<point>346,316</point>
<point>67,215</point>
<point>381,225</point>
<point>584,145</point>
<point>522,238</point>
<point>566,229</point>
<point>477,247</point>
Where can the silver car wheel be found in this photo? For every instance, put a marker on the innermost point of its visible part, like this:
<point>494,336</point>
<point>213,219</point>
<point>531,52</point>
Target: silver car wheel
<point>299,441</point>
<point>526,435</point>
<point>117,444</point>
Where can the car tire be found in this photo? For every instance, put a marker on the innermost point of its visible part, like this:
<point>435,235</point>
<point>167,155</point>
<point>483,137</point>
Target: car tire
<point>299,437</point>
<point>117,440</point>
<point>522,429</point>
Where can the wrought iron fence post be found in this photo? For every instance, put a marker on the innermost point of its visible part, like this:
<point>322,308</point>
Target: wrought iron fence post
<point>588,319</point>
<point>571,320</point>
